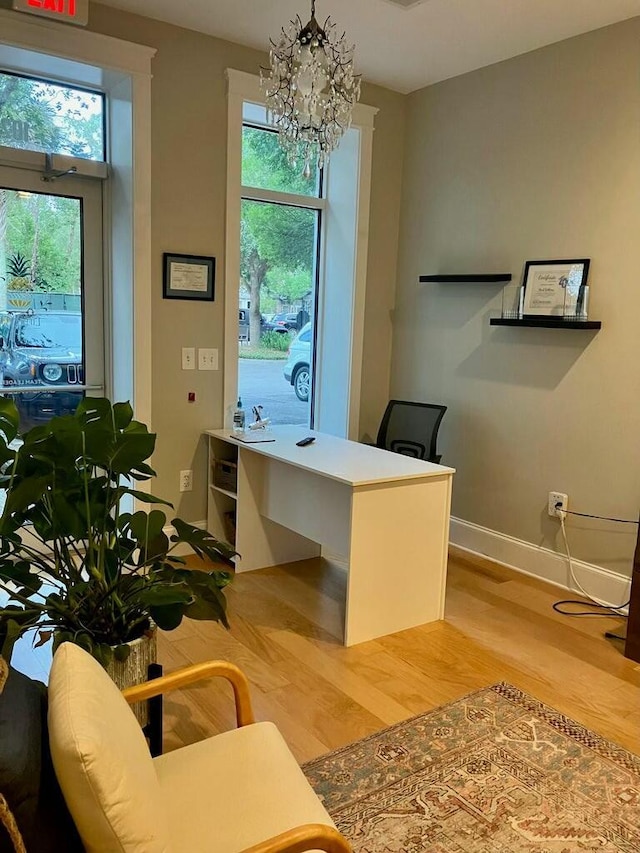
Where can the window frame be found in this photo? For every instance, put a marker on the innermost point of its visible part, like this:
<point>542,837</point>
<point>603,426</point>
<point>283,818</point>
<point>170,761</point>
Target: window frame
<point>243,87</point>
<point>122,70</point>
<point>316,203</point>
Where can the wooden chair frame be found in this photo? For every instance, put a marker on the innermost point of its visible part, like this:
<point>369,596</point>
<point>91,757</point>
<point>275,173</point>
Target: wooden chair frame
<point>311,836</point>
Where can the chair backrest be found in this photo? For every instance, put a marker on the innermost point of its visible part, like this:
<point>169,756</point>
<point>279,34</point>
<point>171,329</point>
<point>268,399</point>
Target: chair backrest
<point>411,429</point>
<point>102,760</point>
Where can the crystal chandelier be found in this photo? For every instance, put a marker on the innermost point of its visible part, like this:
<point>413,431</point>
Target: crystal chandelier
<point>310,89</point>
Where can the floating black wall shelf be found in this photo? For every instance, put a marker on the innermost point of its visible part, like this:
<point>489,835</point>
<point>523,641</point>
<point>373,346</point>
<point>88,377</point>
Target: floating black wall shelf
<point>547,323</point>
<point>469,277</point>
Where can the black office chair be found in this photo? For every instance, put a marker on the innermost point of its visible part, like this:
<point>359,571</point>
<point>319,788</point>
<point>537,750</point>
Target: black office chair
<point>411,429</point>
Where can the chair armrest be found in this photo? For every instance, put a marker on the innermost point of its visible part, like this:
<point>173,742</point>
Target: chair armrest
<point>192,674</point>
<point>310,836</point>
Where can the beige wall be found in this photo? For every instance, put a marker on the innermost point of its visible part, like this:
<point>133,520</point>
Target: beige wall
<point>189,128</point>
<point>537,157</point>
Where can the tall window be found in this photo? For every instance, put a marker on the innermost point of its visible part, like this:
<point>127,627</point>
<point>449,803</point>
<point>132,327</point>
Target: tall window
<point>51,316</point>
<point>279,272</point>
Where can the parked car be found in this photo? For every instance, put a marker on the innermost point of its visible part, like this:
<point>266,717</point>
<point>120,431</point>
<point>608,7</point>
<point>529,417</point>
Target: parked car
<point>297,369</point>
<point>244,325</point>
<point>40,351</point>
<point>288,321</point>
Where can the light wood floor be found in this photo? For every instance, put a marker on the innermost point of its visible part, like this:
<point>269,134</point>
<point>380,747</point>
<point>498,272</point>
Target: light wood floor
<point>499,626</point>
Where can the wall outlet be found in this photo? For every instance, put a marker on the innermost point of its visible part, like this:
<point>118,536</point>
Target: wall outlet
<point>186,481</point>
<point>556,498</point>
<point>188,358</point>
<point>207,359</point>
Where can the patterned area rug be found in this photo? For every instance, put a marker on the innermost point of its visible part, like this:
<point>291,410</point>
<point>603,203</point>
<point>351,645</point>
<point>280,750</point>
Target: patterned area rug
<point>495,772</point>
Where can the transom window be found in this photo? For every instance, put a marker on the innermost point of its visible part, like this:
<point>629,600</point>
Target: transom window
<point>39,115</point>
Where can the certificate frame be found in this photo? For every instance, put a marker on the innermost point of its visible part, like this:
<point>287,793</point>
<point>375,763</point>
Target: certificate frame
<point>188,276</point>
<point>554,288</point>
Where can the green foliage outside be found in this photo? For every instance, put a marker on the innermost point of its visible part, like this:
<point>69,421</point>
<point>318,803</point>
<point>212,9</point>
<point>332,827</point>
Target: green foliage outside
<point>276,340</point>
<point>44,229</point>
<point>50,118</point>
<point>43,243</point>
<point>75,566</point>
<point>261,353</point>
<point>277,242</point>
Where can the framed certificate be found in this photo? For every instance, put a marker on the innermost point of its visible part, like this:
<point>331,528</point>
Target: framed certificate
<point>555,288</point>
<point>189,277</point>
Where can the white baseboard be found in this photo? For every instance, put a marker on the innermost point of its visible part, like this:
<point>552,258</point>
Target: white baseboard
<point>183,550</point>
<point>538,562</point>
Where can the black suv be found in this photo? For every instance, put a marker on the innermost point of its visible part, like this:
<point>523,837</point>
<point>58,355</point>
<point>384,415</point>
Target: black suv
<point>39,351</point>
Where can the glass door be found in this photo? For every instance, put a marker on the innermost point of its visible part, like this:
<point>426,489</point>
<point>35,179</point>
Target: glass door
<point>51,292</point>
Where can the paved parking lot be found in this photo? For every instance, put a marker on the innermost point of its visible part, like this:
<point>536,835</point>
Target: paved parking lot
<point>262,383</point>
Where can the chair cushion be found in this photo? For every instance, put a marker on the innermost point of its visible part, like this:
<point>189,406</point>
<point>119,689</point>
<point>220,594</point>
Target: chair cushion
<point>234,790</point>
<point>27,780</point>
<point>102,760</point>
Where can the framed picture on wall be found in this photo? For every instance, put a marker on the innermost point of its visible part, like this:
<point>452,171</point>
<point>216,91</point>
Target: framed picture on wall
<point>555,288</point>
<point>188,277</point>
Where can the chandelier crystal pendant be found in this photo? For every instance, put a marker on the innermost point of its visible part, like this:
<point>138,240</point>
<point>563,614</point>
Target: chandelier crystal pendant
<point>310,89</point>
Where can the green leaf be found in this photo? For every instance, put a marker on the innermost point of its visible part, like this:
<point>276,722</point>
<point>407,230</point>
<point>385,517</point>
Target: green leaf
<point>132,450</point>
<point>69,516</point>
<point>122,652</point>
<point>144,497</point>
<point>168,617</point>
<point>10,632</point>
<point>9,419</point>
<point>208,600</point>
<point>93,409</point>
<point>155,550</point>
<point>26,493</point>
<point>203,543</point>
<point>122,415</point>
<point>103,653</point>
<point>85,642</point>
<point>161,595</point>
<point>146,526</point>
<point>16,572</point>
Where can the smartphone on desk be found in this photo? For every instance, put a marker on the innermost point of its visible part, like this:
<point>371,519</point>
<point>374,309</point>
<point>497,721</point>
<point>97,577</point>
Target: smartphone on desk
<point>305,441</point>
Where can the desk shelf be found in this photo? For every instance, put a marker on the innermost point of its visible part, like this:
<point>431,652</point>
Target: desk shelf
<point>547,323</point>
<point>468,278</point>
<point>232,495</point>
<point>222,503</point>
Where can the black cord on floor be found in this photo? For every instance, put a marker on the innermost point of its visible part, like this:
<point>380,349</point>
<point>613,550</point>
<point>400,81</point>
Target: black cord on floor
<point>597,609</point>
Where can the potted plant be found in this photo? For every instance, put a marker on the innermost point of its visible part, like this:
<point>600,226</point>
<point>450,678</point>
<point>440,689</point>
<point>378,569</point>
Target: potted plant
<point>77,563</point>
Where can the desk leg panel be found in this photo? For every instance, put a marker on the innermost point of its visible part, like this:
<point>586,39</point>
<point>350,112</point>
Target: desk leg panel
<point>259,541</point>
<point>398,558</point>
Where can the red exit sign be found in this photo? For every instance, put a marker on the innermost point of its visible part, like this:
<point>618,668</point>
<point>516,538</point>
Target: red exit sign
<point>69,11</point>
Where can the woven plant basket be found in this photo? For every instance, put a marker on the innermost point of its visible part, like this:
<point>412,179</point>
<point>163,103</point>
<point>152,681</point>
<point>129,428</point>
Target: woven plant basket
<point>135,670</point>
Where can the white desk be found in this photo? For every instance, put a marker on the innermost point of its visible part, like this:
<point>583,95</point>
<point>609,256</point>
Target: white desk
<point>387,514</point>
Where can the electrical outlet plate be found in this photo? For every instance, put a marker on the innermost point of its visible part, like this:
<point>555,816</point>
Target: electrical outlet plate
<point>188,358</point>
<point>186,481</point>
<point>556,498</point>
<point>207,359</point>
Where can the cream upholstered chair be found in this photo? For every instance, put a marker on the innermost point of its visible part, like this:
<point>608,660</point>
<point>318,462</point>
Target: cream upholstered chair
<point>238,791</point>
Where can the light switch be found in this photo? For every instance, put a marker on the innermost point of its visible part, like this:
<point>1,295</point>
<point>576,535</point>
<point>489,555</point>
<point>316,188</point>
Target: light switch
<point>207,359</point>
<point>188,358</point>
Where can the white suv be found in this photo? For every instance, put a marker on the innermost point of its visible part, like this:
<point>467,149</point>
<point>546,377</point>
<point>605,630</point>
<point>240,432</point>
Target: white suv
<point>297,369</point>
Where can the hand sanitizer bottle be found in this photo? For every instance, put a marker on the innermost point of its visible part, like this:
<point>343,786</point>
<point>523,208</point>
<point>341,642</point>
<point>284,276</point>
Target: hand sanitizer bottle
<point>239,417</point>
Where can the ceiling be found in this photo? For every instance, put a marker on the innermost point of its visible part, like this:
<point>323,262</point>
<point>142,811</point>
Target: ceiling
<point>401,44</point>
